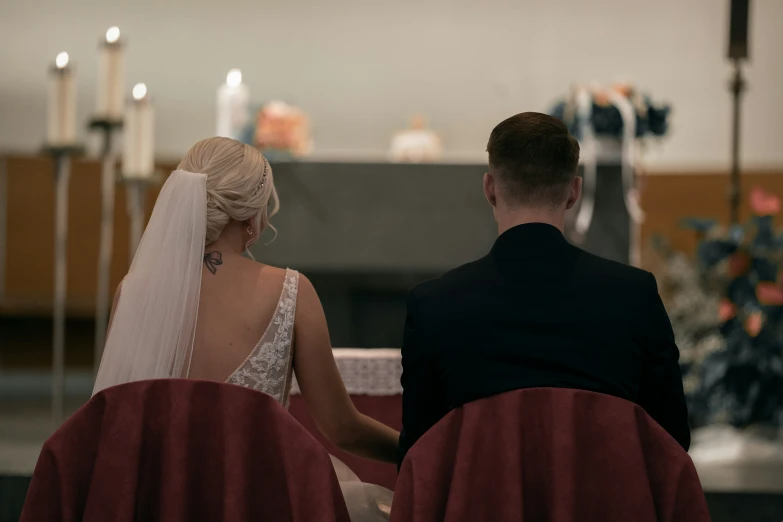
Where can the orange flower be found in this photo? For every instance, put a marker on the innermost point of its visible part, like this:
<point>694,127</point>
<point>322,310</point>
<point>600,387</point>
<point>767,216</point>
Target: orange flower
<point>764,203</point>
<point>601,98</point>
<point>753,324</point>
<point>769,293</point>
<point>739,263</point>
<point>727,310</point>
<point>623,88</point>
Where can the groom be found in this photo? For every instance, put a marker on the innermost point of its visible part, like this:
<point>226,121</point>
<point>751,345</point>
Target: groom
<point>536,311</point>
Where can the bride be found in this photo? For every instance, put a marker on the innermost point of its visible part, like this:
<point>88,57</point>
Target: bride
<point>193,306</point>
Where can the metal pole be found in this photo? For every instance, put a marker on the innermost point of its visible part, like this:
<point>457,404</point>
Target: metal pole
<point>103,297</point>
<point>136,190</point>
<point>62,178</point>
<point>737,87</point>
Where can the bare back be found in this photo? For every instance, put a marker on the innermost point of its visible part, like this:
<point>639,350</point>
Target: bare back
<point>239,298</point>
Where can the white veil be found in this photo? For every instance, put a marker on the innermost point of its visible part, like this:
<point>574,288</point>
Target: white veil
<point>152,329</point>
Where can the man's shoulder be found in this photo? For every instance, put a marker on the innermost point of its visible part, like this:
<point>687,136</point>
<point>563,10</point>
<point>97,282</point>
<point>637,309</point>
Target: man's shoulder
<point>599,270</point>
<point>454,278</point>
<point>603,269</point>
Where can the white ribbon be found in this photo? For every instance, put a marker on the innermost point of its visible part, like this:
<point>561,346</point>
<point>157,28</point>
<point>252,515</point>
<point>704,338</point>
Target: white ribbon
<point>589,157</point>
<point>628,114</point>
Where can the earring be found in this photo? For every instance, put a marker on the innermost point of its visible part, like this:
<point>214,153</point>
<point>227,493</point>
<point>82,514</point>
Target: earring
<point>249,230</point>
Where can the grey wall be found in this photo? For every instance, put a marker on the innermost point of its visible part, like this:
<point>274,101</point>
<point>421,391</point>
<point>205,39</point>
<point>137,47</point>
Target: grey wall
<point>358,217</point>
<point>362,68</point>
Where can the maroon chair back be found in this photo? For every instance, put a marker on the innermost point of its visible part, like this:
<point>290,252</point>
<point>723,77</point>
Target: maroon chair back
<point>548,455</point>
<point>178,450</point>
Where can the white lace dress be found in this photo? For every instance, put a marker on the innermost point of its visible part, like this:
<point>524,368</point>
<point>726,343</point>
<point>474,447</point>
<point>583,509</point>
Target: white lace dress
<point>269,369</point>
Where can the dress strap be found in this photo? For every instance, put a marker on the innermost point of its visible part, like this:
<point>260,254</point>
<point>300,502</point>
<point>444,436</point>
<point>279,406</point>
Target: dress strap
<point>290,287</point>
<point>287,305</point>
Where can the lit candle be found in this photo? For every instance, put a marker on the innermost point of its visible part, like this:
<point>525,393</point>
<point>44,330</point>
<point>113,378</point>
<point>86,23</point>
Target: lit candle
<point>61,116</point>
<point>111,77</point>
<point>138,158</point>
<point>232,106</point>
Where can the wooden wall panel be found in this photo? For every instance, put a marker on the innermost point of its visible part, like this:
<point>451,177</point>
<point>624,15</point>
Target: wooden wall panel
<point>29,278</point>
<point>669,198</point>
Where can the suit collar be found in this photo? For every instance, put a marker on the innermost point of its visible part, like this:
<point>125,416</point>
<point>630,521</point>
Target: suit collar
<point>528,240</point>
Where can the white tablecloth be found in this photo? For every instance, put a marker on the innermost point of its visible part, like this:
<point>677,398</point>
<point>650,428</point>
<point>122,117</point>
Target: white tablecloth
<point>367,371</point>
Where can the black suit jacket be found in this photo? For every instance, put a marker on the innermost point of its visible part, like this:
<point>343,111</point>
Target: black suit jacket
<point>535,312</point>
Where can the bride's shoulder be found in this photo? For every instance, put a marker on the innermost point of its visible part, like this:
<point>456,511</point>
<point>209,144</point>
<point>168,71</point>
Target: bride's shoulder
<point>269,274</point>
<point>276,272</point>
<point>306,294</point>
<point>264,274</point>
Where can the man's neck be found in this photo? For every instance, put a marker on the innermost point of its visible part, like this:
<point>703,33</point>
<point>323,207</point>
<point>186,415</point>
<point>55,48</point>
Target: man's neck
<point>510,219</point>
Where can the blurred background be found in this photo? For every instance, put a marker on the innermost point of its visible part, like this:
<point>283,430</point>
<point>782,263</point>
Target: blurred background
<point>376,118</point>
<point>361,71</point>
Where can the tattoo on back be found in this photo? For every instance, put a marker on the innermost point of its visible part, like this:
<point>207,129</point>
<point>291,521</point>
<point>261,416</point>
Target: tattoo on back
<point>212,260</point>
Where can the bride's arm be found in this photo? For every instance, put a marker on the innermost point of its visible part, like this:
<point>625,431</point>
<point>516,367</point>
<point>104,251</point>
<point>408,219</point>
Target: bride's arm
<point>323,388</point>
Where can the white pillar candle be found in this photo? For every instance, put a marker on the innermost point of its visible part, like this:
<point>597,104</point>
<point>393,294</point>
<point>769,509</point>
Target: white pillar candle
<point>138,158</point>
<point>232,106</point>
<point>111,77</point>
<point>61,115</point>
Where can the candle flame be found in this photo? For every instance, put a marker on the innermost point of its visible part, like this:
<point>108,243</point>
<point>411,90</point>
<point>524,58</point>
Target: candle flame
<point>113,34</point>
<point>139,91</point>
<point>62,60</point>
<point>234,78</point>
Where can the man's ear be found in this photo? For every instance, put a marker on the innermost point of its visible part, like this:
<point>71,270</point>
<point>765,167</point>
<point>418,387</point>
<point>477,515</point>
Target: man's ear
<point>575,192</point>
<point>490,187</point>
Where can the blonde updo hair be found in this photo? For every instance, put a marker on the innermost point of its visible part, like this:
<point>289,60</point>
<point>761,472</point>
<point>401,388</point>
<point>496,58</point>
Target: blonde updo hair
<point>234,176</point>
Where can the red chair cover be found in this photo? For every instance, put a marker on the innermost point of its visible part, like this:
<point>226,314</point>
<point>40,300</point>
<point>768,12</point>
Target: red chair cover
<point>548,455</point>
<point>179,450</point>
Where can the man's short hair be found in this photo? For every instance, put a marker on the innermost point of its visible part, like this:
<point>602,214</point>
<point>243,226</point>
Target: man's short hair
<point>534,158</point>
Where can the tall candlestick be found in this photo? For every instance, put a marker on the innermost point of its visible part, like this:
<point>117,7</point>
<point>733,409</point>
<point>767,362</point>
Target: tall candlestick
<point>111,77</point>
<point>62,177</point>
<point>61,116</point>
<point>138,158</point>
<point>107,118</point>
<point>232,106</point>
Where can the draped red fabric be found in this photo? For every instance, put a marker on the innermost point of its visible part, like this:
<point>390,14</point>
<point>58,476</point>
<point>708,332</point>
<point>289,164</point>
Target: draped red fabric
<point>548,455</point>
<point>179,450</point>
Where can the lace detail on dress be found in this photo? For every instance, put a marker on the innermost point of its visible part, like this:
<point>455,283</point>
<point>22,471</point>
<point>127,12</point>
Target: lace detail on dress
<point>268,368</point>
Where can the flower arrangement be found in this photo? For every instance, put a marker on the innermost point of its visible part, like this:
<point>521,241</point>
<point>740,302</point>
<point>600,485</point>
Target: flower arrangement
<point>651,119</point>
<point>735,365</point>
<point>692,304</point>
<point>282,129</point>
